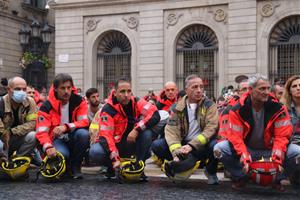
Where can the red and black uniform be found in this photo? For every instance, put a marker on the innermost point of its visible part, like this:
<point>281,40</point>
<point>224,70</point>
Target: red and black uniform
<point>277,127</point>
<point>224,119</point>
<point>49,116</point>
<point>116,122</point>
<point>163,103</point>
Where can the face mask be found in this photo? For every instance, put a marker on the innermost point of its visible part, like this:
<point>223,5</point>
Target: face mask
<point>19,96</point>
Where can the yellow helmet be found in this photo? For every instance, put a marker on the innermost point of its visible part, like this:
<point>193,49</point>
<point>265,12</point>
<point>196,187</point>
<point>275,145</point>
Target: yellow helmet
<point>17,168</point>
<point>53,167</point>
<point>131,170</point>
<point>178,176</point>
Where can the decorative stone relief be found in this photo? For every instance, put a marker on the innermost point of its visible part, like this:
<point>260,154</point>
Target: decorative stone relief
<point>268,9</point>
<point>4,4</point>
<point>132,22</point>
<point>91,25</point>
<point>172,19</point>
<point>220,15</point>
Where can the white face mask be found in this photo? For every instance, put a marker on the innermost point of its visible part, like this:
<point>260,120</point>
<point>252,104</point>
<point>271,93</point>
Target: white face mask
<point>19,96</point>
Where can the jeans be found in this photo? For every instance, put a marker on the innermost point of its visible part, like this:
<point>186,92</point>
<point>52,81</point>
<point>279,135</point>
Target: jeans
<point>73,147</point>
<point>232,163</point>
<point>140,149</point>
<point>23,145</point>
<point>161,149</point>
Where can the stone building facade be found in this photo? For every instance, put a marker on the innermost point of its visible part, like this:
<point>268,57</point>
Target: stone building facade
<point>154,41</point>
<point>13,15</point>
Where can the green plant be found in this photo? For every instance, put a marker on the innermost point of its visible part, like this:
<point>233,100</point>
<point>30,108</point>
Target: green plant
<point>29,57</point>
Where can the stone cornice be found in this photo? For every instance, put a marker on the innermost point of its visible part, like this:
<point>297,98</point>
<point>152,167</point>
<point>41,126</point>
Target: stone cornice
<point>92,3</point>
<point>77,4</point>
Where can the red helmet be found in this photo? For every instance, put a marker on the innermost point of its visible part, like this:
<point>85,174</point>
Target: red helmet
<point>264,172</point>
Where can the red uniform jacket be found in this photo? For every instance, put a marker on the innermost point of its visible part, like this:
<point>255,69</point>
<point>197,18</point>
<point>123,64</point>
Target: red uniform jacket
<point>278,128</point>
<point>224,118</point>
<point>113,121</point>
<point>50,113</point>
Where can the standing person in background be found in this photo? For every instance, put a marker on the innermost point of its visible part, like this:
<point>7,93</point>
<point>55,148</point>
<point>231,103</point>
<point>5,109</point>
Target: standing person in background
<point>62,124</point>
<point>277,90</point>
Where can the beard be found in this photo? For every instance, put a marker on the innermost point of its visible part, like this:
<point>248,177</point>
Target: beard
<point>95,104</point>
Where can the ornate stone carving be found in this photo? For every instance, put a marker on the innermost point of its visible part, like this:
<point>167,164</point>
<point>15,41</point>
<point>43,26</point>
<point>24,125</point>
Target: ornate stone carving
<point>220,15</point>
<point>4,4</point>
<point>132,22</point>
<point>268,9</point>
<point>172,19</point>
<point>91,25</point>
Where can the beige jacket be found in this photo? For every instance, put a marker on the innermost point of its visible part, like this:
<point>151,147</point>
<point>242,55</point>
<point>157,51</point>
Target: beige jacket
<point>27,117</point>
<point>177,126</point>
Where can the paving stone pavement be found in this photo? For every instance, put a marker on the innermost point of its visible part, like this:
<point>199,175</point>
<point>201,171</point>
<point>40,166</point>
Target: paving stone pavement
<point>94,186</point>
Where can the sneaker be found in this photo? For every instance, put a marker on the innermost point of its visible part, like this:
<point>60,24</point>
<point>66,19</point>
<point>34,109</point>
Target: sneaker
<point>212,179</point>
<point>239,184</point>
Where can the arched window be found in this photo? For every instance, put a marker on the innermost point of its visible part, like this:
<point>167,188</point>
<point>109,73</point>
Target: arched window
<point>113,60</point>
<point>284,54</point>
<point>196,53</point>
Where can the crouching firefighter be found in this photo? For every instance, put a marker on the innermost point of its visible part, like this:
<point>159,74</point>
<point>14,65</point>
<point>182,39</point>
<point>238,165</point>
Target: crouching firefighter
<point>62,124</point>
<point>189,134</point>
<point>125,129</point>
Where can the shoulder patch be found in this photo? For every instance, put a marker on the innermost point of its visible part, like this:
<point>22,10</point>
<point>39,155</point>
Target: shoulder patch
<point>109,110</point>
<point>46,107</point>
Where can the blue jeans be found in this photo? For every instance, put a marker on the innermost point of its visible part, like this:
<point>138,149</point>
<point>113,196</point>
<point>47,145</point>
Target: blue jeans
<point>140,149</point>
<point>232,163</point>
<point>73,147</point>
<point>161,149</point>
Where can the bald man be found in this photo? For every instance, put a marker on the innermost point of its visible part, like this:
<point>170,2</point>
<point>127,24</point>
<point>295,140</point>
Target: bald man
<point>17,120</point>
<point>168,96</point>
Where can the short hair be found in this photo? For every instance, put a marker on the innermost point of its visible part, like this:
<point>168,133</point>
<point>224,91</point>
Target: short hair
<point>122,80</point>
<point>90,92</point>
<point>62,78</point>
<point>190,77</point>
<point>240,83</point>
<point>253,80</point>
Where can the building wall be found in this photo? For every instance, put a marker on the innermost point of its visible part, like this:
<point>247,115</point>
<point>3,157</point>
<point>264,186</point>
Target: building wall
<point>12,16</point>
<point>241,26</point>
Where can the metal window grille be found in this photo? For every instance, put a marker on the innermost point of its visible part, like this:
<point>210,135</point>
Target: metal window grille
<point>113,61</point>
<point>197,53</point>
<point>284,52</point>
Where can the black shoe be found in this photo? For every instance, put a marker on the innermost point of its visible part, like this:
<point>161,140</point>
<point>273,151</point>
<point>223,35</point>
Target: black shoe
<point>169,170</point>
<point>77,173</point>
<point>144,178</point>
<point>110,173</point>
